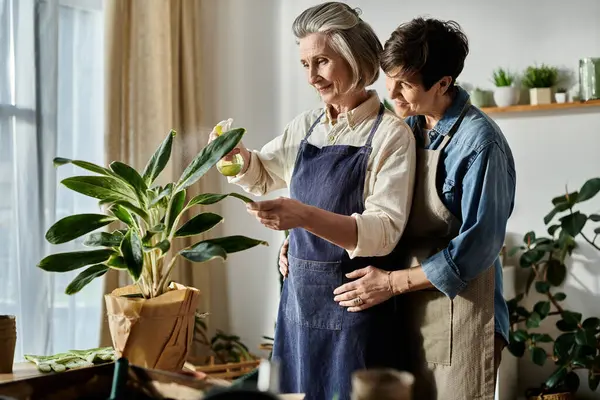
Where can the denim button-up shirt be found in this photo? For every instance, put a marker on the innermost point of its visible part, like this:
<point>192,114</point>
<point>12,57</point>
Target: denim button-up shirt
<point>476,182</point>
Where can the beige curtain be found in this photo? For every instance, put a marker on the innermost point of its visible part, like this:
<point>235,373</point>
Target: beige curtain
<point>153,85</point>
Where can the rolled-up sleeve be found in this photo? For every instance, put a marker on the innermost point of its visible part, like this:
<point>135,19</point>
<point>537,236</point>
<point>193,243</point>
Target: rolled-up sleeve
<point>382,223</point>
<point>486,204</point>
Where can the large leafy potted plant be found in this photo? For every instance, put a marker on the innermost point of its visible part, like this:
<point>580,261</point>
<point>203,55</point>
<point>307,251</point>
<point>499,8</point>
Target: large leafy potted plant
<point>546,258</point>
<point>151,321</point>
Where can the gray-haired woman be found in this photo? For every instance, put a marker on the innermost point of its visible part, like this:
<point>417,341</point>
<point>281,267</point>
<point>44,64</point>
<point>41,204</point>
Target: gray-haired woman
<point>350,169</point>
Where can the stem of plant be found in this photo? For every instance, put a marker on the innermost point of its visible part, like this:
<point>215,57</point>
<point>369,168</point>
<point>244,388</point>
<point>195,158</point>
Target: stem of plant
<point>590,241</point>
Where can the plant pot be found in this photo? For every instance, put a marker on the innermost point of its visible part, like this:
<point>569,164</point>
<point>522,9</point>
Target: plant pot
<point>478,98</point>
<point>540,96</point>
<point>560,97</point>
<point>153,333</point>
<point>506,96</point>
<point>8,342</point>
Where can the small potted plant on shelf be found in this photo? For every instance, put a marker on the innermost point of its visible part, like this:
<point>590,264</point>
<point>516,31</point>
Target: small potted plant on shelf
<point>152,321</point>
<point>577,347</point>
<point>540,80</point>
<point>505,93</point>
<point>561,95</point>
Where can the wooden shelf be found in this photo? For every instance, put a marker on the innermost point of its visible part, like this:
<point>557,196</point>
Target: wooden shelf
<point>529,108</point>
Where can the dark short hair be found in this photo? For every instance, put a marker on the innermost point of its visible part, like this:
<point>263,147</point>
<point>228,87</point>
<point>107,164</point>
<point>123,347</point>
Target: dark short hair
<point>427,48</point>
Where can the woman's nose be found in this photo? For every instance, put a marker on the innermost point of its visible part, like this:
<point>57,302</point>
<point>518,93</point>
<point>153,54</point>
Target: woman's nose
<point>313,75</point>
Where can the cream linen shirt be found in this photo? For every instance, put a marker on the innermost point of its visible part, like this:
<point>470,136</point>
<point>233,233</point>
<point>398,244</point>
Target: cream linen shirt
<point>390,170</point>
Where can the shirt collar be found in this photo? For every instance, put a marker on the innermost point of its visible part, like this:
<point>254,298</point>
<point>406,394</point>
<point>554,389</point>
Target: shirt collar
<point>453,113</point>
<point>357,115</point>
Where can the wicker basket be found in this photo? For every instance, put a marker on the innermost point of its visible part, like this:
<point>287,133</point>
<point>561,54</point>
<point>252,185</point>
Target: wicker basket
<point>229,371</point>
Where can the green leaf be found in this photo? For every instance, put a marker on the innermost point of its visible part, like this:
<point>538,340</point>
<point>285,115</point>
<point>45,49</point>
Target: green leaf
<point>558,208</point>
<point>589,190</point>
<point>159,159</point>
<point>534,320</point>
<point>556,272</point>
<point>572,381</point>
<point>204,251</point>
<point>122,214</point>
<point>531,257</point>
<point>595,217</point>
<point>105,188</point>
<point>542,308</point>
<point>131,248</point>
<point>541,338</point>
<point>177,205</point>
<point>132,177</point>
<point>211,198</point>
<point>521,335</point>
<point>557,377</point>
<point>63,262</point>
<point>157,228</point>
<point>565,326</point>
<point>585,338</point>
<point>563,345</point>
<point>552,229</point>
<point>571,317</point>
<point>103,239</point>
<point>233,244</point>
<point>522,311</point>
<point>529,238</point>
<point>86,277</point>
<point>560,296</point>
<point>163,246</point>
<point>58,161</point>
<point>135,210</point>
<point>542,287</point>
<point>200,223</point>
<point>538,355</point>
<point>591,323</point>
<point>573,223</point>
<point>117,262</point>
<point>597,231</point>
<point>74,226</point>
<point>570,199</point>
<point>209,156</point>
<point>517,349</point>
<point>162,194</point>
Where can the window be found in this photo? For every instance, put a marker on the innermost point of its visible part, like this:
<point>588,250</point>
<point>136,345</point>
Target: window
<point>49,107</point>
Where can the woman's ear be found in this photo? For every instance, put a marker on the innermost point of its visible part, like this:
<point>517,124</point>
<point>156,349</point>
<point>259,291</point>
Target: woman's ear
<point>445,84</point>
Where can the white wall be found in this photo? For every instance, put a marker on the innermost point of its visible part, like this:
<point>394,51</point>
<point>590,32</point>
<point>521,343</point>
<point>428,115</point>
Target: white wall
<point>259,82</point>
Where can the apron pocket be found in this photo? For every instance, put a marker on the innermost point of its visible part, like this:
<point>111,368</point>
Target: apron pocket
<point>307,298</point>
<point>433,315</point>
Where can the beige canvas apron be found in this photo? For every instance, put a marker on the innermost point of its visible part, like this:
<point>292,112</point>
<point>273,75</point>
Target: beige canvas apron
<point>451,341</point>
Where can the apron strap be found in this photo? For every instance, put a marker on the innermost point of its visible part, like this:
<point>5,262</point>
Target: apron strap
<point>375,124</point>
<point>312,127</point>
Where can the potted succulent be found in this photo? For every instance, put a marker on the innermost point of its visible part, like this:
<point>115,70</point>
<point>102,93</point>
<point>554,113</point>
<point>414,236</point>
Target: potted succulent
<point>561,95</point>
<point>577,347</point>
<point>505,93</point>
<point>152,321</point>
<point>539,80</point>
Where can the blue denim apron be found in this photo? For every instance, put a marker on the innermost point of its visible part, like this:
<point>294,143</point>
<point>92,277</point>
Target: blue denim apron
<point>317,342</point>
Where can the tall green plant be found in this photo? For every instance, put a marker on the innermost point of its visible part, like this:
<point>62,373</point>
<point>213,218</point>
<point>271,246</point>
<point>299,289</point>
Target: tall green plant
<point>546,258</point>
<point>151,215</point>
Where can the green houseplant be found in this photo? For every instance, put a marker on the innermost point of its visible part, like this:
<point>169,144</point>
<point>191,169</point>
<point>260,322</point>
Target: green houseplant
<point>505,93</point>
<point>546,258</point>
<point>539,80</point>
<point>154,312</point>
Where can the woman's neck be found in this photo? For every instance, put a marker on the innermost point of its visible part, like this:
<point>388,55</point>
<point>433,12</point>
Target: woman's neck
<point>350,102</point>
<point>438,110</point>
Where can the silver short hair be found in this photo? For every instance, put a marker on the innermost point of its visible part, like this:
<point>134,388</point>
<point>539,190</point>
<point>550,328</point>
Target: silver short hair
<point>349,36</point>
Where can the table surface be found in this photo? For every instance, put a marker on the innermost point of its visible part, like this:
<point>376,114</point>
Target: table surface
<point>21,371</point>
<point>28,370</point>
